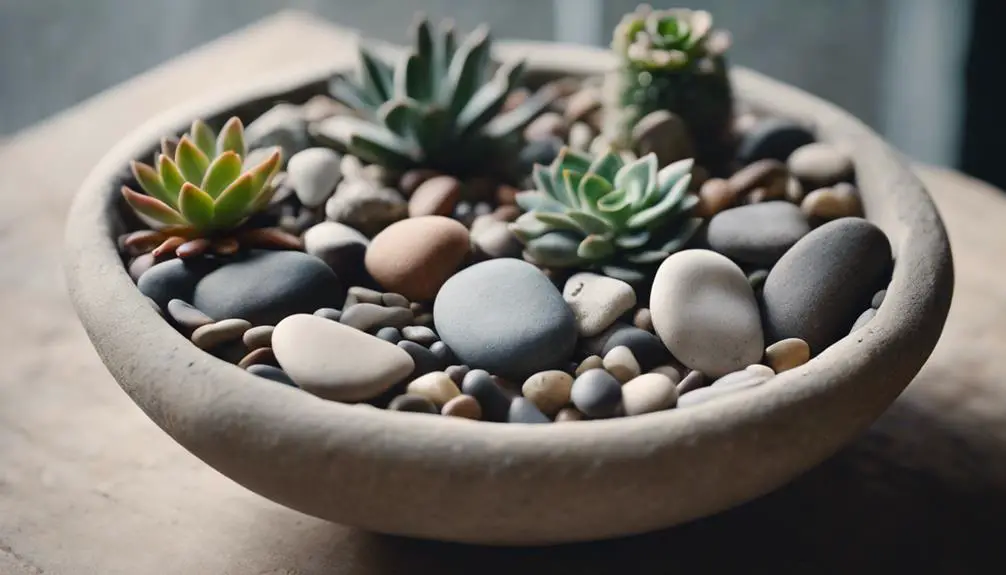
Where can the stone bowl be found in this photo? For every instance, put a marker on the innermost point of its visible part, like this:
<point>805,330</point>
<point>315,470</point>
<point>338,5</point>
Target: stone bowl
<point>505,484</point>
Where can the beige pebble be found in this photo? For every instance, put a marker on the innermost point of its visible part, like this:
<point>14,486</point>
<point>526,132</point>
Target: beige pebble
<point>258,336</point>
<point>569,414</point>
<point>592,362</point>
<point>262,355</point>
<point>548,390</point>
<point>580,136</point>
<point>794,190</point>
<point>832,203</point>
<point>621,363</point>
<point>668,371</point>
<point>464,406</point>
<point>786,354</point>
<point>648,393</point>
<point>216,333</point>
<point>752,374</point>
<point>545,126</point>
<point>715,195</point>
<point>435,386</point>
<point>643,320</point>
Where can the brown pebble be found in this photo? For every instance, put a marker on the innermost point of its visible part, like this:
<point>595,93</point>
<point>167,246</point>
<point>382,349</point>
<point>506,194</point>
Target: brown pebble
<point>582,104</point>
<point>412,179</point>
<point>186,315</point>
<point>769,174</point>
<point>819,164</point>
<point>262,355</point>
<point>506,195</point>
<point>714,196</point>
<point>436,196</point>
<point>141,264</point>
<point>643,320</point>
<point>258,336</point>
<point>786,354</point>
<point>591,362</point>
<point>413,403</point>
<point>548,390</point>
<point>794,190</point>
<point>415,256</point>
<point>569,414</point>
<point>214,334</point>
<point>457,373</point>
<point>463,406</point>
<point>436,386</point>
<point>506,213</point>
<point>831,203</point>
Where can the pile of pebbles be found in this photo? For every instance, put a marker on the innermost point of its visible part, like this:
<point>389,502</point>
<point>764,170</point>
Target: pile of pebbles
<point>412,294</point>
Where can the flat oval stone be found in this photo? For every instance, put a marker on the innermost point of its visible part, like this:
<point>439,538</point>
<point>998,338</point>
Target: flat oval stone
<point>425,360</point>
<point>818,165</point>
<point>495,400</point>
<point>597,301</point>
<point>436,196</point>
<point>646,347</point>
<point>313,173</point>
<point>597,393</point>
<point>359,294</point>
<point>590,362</point>
<point>507,317</point>
<point>464,406</point>
<point>389,334</point>
<point>328,313</point>
<point>265,286</point>
<point>647,393</point>
<point>620,363</point>
<point>569,414</point>
<point>662,133</point>
<point>187,316</point>
<point>258,336</point>
<point>705,312</point>
<point>786,354</point>
<point>413,404</point>
<point>339,246</point>
<point>391,299</point>
<point>271,372</point>
<point>175,279</point>
<point>840,201</point>
<point>757,234</point>
<point>335,361</point>
<point>772,138</point>
<point>522,410</point>
<point>816,291</point>
<point>214,334</point>
<point>414,257</point>
<point>261,355</point>
<point>548,390</point>
<point>436,386</point>
<point>419,334</point>
<point>371,317</point>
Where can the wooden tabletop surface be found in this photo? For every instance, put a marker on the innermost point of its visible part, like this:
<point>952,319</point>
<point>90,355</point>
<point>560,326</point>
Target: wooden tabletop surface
<point>89,485</point>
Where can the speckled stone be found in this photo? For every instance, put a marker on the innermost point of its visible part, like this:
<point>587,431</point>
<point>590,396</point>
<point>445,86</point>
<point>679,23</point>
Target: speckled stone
<point>463,406</point>
<point>548,390</point>
<point>414,257</point>
<point>523,410</point>
<point>597,393</point>
<point>495,400</point>
<point>648,393</point>
<point>597,301</point>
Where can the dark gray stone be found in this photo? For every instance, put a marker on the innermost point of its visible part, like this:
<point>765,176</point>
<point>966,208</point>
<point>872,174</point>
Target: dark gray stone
<point>369,317</point>
<point>522,410</point>
<point>507,317</point>
<point>271,372</point>
<point>597,393</point>
<point>495,400</point>
<point>758,233</point>
<point>457,373</point>
<point>413,403</point>
<point>174,279</point>
<point>265,286</point>
<point>441,350</point>
<point>390,334</point>
<point>424,359</point>
<point>772,138</point>
<point>825,281</point>
<point>646,347</point>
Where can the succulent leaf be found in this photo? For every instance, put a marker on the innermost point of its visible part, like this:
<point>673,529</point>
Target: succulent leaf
<point>556,249</point>
<point>191,161</point>
<point>662,207</point>
<point>232,138</point>
<point>152,208</point>
<point>592,188</point>
<point>558,221</point>
<point>172,178</point>
<point>204,138</point>
<point>222,172</point>
<point>595,248</point>
<point>527,226</point>
<point>262,173</point>
<point>376,75</point>
<point>196,206</point>
<point>150,182</point>
<point>232,205</point>
<point>466,71</point>
<point>606,165</point>
<point>537,201</point>
<point>590,223</point>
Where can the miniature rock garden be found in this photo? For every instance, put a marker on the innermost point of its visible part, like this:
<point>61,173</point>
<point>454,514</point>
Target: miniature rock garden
<point>441,235</point>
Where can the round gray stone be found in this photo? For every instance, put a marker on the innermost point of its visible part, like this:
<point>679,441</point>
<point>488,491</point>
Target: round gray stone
<point>272,373</point>
<point>174,278</point>
<point>505,316</point>
<point>495,400</point>
<point>523,410</point>
<point>757,234</point>
<point>772,138</point>
<point>597,393</point>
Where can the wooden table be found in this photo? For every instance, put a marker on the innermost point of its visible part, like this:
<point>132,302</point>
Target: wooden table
<point>89,485</point>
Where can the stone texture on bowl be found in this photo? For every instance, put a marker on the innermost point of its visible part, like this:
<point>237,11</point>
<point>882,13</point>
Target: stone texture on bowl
<point>444,478</point>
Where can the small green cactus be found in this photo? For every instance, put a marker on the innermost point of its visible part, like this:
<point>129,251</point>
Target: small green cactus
<point>620,218</point>
<point>203,192</point>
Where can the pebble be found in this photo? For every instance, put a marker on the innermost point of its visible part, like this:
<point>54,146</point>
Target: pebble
<point>786,354</point>
<point>580,136</point>
<point>412,179</point>
<point>715,195</point>
<point>283,125</point>
<point>464,406</point>
<point>174,279</point>
<point>591,362</point>
<point>505,316</point>
<point>321,107</point>
<point>772,138</point>
<point>582,105</point>
<point>597,393</point>
<point>339,246</point>
<point>506,213</point>
<point>389,334</point>
<point>271,372</point>
<point>436,386</point>
<point>187,316</point>
<point>705,312</point>
<point>742,378</point>
<point>548,390</point>
<point>313,173</point>
<point>648,393</point>
<point>662,133</point>
<point>419,334</point>
<point>495,401</point>
<point>424,319</point>
<point>392,299</point>
<point>597,301</point>
<point>714,391</point>
<point>822,283</point>
<point>337,362</point>
<point>262,355</point>
<point>139,266</point>
<point>328,313</point>
<point>436,196</point>
<point>621,363</point>
<point>769,176</point>
<point>794,191</point>
<point>424,360</point>
<point>360,294</point>
<point>365,206</point>
<point>831,203</point>
<point>258,336</point>
<point>351,167</point>
<point>646,347</point>
<point>371,317</point>
<point>415,257</point>
<point>819,165</point>
<point>457,373</point>
<point>757,280</point>
<point>214,334</point>
<point>569,414</point>
<point>265,286</point>
<point>413,403</point>
<point>643,320</point>
<point>878,299</point>
<point>495,239</point>
<point>863,319</point>
<point>541,152</point>
<point>441,350</point>
<point>694,380</point>
<point>757,234</point>
<point>522,410</point>
<point>545,127</point>
<point>506,195</point>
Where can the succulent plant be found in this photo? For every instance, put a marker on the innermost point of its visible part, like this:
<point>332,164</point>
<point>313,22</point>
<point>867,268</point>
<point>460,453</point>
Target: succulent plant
<point>198,198</point>
<point>671,60</point>
<point>622,218</point>
<point>440,107</point>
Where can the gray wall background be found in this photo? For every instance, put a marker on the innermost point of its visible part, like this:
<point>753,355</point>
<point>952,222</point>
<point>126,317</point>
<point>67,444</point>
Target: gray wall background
<point>893,63</point>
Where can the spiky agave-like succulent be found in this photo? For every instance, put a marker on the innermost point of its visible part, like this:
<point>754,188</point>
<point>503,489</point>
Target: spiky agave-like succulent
<point>440,107</point>
<point>620,218</point>
<point>197,198</point>
<point>671,60</point>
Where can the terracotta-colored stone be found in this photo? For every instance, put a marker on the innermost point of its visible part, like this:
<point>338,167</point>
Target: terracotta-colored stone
<point>436,196</point>
<point>769,174</point>
<point>412,179</point>
<point>715,196</point>
<point>464,406</point>
<point>414,257</point>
